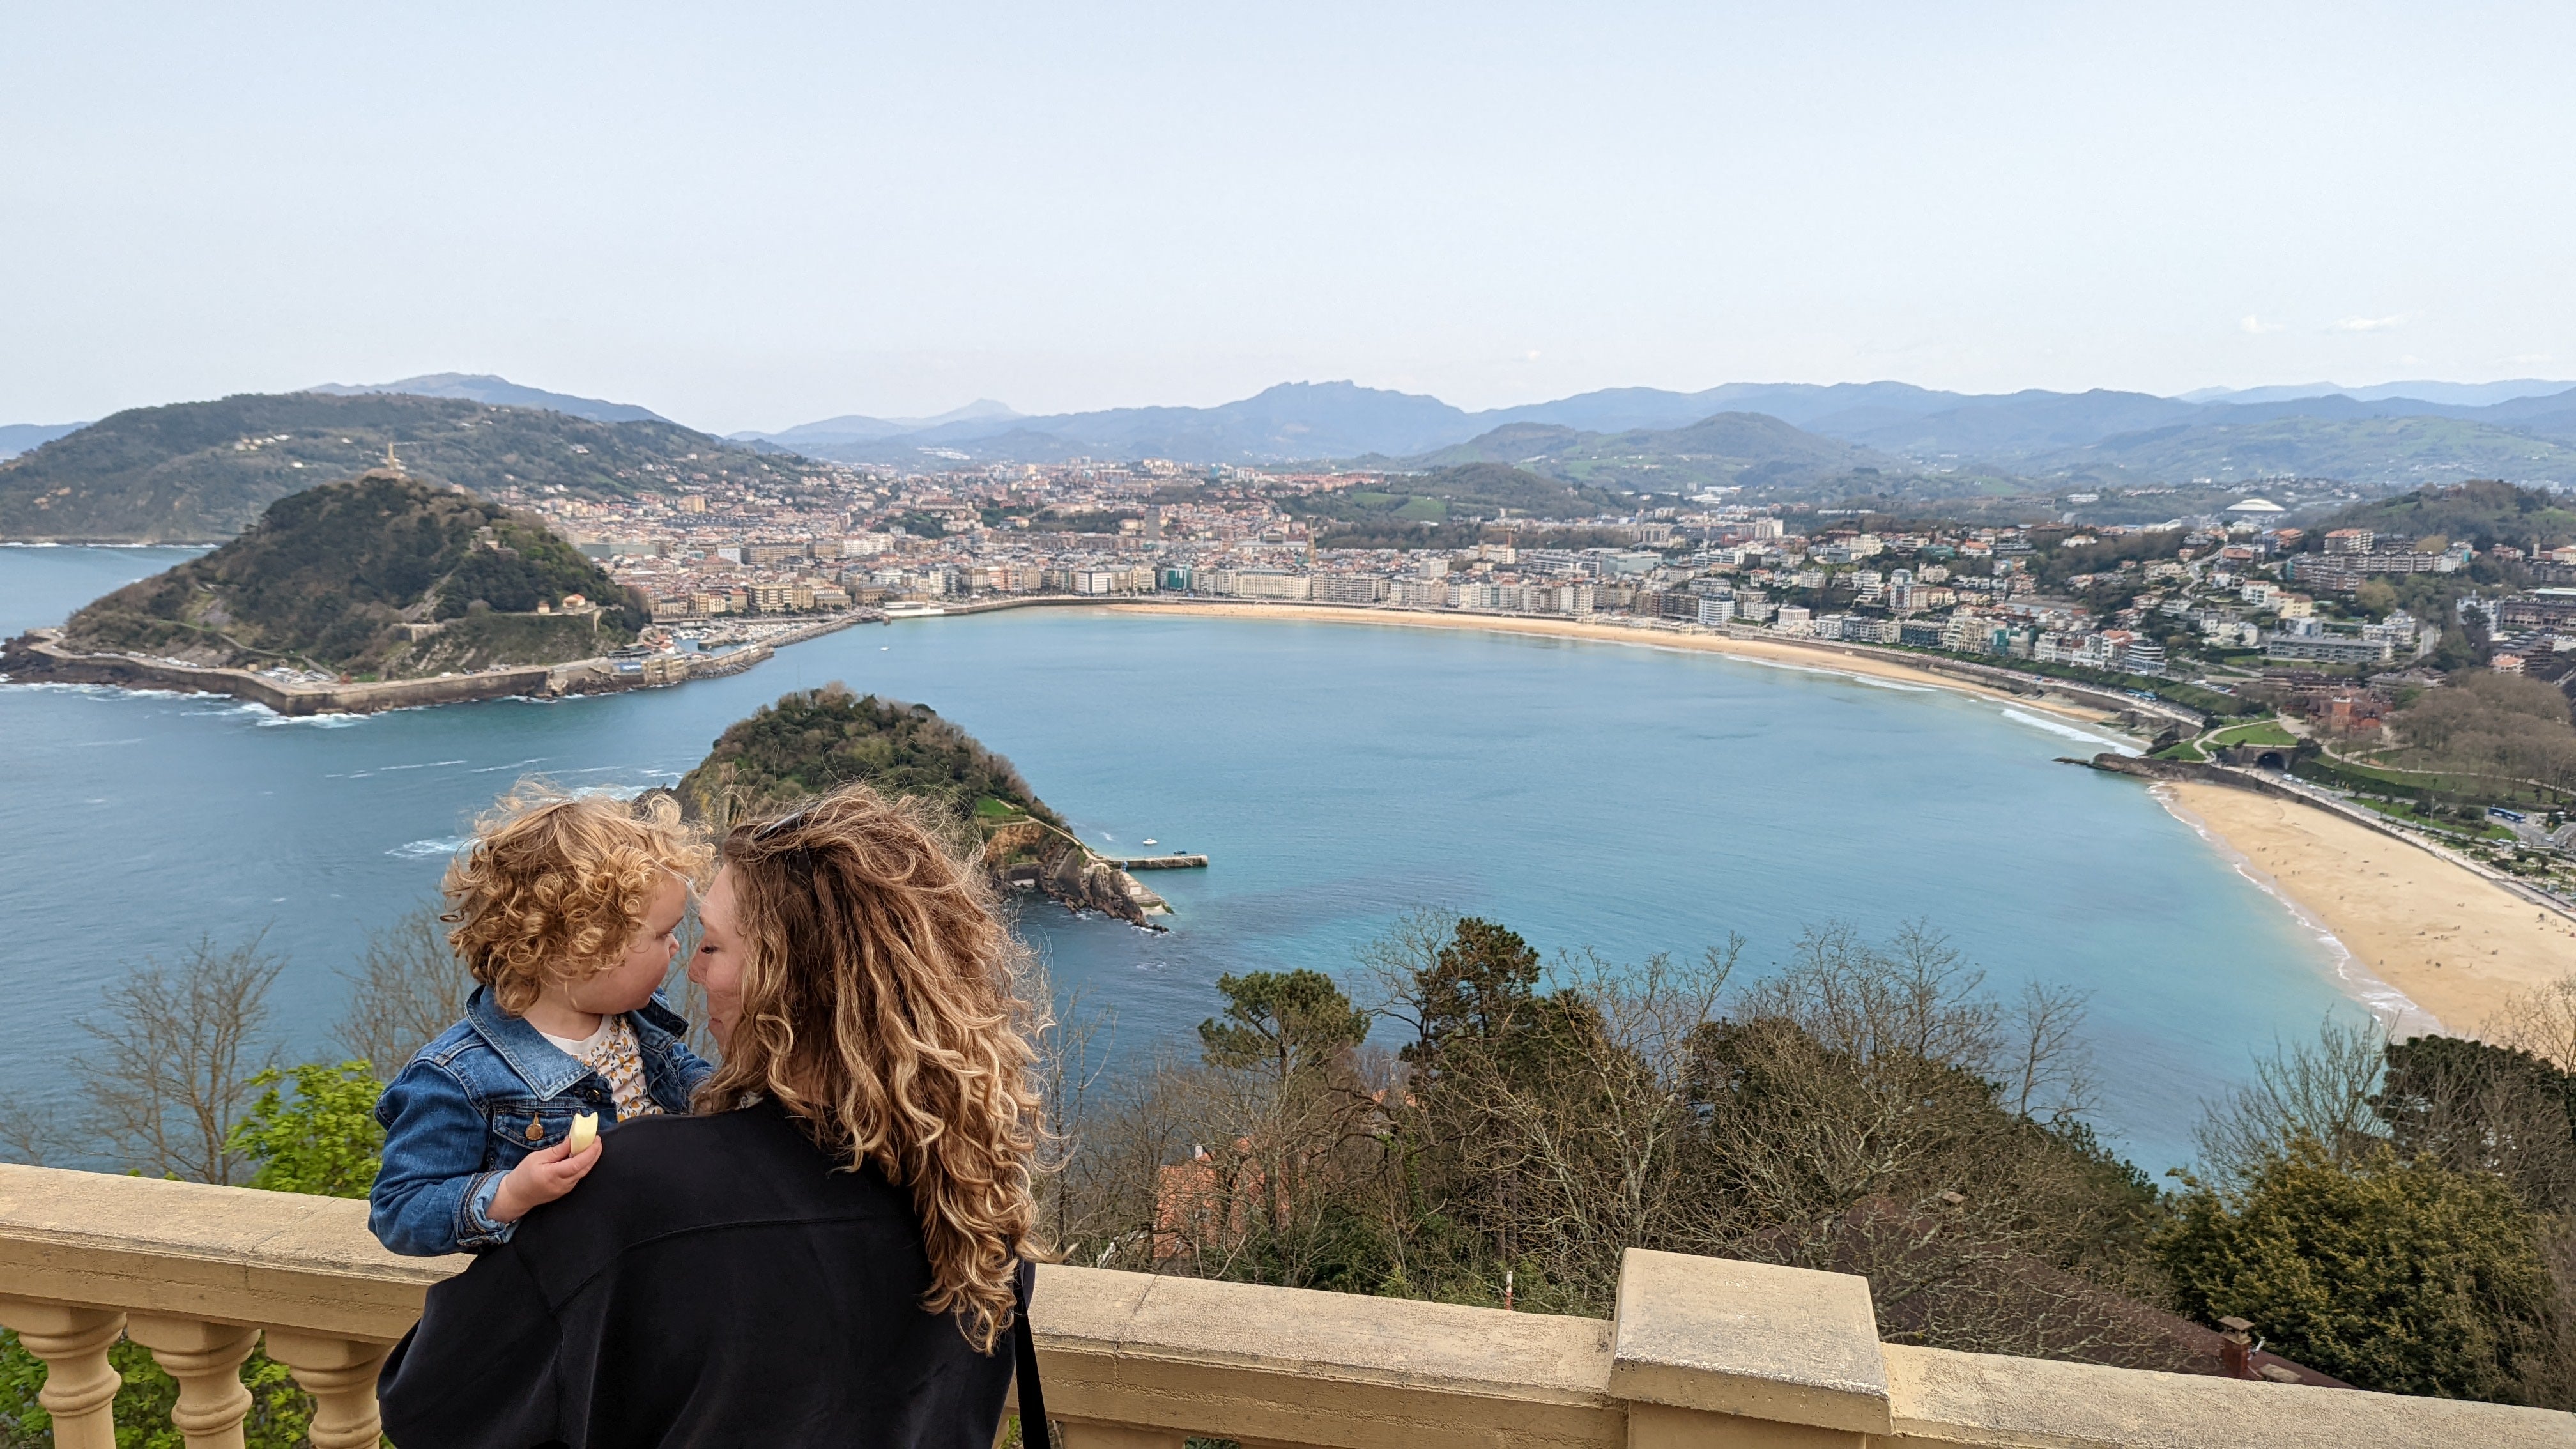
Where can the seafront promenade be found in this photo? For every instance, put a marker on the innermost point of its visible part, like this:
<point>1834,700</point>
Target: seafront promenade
<point>40,654</point>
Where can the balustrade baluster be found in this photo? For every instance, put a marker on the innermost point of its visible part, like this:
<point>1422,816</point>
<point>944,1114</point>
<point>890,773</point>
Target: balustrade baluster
<point>206,1359</point>
<point>340,1374</point>
<point>80,1388</point>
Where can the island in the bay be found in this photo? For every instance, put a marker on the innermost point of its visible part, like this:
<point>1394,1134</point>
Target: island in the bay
<point>815,740</point>
<point>374,592</point>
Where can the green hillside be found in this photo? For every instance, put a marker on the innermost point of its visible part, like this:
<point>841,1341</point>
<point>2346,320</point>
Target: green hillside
<point>1440,506</point>
<point>340,578</point>
<point>1727,450</point>
<point>814,740</point>
<point>2483,513</point>
<point>2401,452</point>
<point>201,472</point>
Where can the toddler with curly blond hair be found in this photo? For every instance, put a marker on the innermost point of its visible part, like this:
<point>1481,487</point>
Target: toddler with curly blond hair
<point>567,911</point>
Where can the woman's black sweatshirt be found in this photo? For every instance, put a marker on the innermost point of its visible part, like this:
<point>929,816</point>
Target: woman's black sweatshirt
<point>712,1282</point>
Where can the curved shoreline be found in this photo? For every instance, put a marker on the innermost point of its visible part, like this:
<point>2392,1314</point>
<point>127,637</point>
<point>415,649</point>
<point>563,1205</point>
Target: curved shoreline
<point>2404,943</point>
<point>2400,1014</point>
<point>2441,939</point>
<point>1812,658</point>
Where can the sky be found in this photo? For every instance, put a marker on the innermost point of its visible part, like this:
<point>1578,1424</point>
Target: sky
<point>750,216</point>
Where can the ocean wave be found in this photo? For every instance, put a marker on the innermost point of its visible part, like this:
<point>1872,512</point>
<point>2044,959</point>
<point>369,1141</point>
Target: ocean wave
<point>1826,671</point>
<point>430,849</point>
<point>315,721</point>
<point>389,769</point>
<point>94,691</point>
<point>2068,731</point>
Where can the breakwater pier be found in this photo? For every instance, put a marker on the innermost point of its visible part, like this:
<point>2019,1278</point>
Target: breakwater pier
<point>1157,862</point>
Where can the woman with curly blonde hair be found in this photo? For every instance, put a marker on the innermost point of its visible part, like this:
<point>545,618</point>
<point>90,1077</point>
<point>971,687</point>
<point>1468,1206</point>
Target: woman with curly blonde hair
<point>834,1248</point>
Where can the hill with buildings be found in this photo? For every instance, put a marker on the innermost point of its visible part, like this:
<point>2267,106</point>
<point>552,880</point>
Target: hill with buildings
<point>2483,513</point>
<point>2403,451</point>
<point>379,575</point>
<point>201,472</point>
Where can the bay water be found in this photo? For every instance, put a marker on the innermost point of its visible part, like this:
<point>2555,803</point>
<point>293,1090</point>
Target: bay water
<point>1628,799</point>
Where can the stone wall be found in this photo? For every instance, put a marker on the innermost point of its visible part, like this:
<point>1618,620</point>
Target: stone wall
<point>1702,1352</point>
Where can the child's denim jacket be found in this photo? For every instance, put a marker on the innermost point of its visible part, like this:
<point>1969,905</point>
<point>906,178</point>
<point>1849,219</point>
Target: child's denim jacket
<point>489,1091</point>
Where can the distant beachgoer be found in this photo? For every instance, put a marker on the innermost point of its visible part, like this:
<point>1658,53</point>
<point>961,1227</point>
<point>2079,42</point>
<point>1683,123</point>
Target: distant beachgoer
<point>835,1249</point>
<point>567,910</point>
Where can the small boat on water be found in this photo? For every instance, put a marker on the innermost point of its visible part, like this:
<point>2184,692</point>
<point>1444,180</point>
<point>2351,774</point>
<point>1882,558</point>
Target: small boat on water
<point>1149,840</point>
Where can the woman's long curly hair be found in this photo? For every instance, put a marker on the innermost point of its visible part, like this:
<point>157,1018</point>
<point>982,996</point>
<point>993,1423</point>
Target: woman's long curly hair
<point>880,1007</point>
<point>555,886</point>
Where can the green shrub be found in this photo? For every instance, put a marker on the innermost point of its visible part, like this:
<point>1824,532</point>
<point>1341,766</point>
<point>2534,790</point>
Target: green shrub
<point>2404,1277</point>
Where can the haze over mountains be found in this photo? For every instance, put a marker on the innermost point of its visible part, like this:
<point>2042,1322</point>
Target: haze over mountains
<point>170,472</point>
<point>2523,430</point>
<point>497,392</point>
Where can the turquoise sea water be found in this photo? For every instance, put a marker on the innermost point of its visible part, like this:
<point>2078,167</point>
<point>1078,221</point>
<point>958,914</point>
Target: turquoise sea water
<point>1630,799</point>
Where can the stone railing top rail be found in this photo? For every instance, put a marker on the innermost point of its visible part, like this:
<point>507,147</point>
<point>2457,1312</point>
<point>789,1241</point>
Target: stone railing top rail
<point>1700,1346</point>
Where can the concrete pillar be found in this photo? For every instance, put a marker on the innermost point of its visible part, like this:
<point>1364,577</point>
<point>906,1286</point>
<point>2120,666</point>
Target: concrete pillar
<point>340,1374</point>
<point>80,1388</point>
<point>206,1359</point>
<point>1715,1351</point>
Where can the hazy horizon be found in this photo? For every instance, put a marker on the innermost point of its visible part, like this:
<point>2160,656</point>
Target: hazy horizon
<point>749,222</point>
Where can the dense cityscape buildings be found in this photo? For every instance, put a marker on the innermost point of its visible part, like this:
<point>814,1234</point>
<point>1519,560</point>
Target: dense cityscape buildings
<point>726,559</point>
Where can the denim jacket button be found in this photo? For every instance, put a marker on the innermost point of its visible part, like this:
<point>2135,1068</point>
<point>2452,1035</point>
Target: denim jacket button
<point>536,1130</point>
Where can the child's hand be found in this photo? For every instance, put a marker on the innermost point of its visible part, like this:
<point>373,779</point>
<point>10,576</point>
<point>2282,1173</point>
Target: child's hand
<point>541,1177</point>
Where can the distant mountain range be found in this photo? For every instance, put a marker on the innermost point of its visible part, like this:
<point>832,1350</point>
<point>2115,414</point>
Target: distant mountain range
<point>498,392</point>
<point>2511,429</point>
<point>856,428</point>
<point>204,470</point>
<point>16,438</point>
<point>2465,394</point>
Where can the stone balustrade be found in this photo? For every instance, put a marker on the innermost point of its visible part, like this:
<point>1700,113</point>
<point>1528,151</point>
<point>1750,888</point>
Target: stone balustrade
<point>1703,1352</point>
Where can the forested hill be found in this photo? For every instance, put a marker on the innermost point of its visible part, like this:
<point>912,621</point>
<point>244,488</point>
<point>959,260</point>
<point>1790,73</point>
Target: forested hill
<point>1438,507</point>
<point>2480,513</point>
<point>201,472</point>
<point>331,577</point>
<point>814,740</point>
<point>1724,450</point>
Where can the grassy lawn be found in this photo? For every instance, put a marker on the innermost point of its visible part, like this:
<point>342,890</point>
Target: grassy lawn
<point>2185,750</point>
<point>989,808</point>
<point>2401,810</point>
<point>2261,732</point>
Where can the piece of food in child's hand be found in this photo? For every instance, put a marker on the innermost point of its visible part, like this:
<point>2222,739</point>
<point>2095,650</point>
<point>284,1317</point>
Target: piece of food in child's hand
<point>585,1131</point>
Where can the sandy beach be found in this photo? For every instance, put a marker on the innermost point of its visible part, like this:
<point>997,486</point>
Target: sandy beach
<point>1821,659</point>
<point>2457,947</point>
